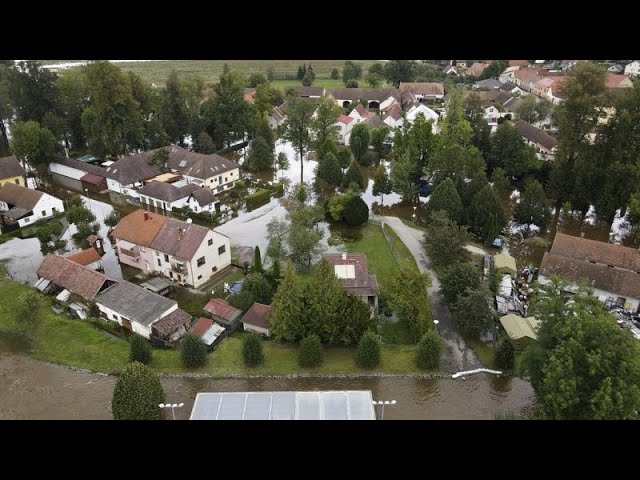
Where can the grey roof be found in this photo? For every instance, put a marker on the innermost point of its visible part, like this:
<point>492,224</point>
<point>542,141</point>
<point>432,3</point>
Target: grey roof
<point>371,94</point>
<point>508,87</point>
<point>327,405</point>
<point>135,303</point>
<point>179,239</point>
<point>203,196</point>
<point>489,82</point>
<point>130,169</point>
<point>16,213</point>
<point>167,192</point>
<point>536,135</point>
<point>157,283</point>
<point>512,104</point>
<point>197,165</point>
<point>10,167</point>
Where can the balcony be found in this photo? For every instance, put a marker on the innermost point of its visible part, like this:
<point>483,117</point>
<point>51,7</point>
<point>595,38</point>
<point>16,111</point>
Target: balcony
<point>133,254</point>
<point>180,268</point>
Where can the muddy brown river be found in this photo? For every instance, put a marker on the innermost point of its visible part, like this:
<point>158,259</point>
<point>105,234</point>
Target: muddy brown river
<point>30,389</point>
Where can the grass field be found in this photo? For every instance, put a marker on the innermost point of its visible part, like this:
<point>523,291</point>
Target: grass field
<point>157,71</point>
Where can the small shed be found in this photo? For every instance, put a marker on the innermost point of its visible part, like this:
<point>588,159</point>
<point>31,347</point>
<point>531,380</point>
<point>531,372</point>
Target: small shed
<point>208,331</point>
<point>223,313</point>
<point>522,331</point>
<point>93,183</point>
<point>257,319</point>
<point>159,285</point>
<point>505,263</point>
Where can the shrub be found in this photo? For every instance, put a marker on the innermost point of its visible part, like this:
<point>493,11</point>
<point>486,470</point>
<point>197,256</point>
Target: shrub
<point>257,198</point>
<point>252,350</point>
<point>368,354</point>
<point>429,350</point>
<point>137,394</point>
<point>193,351</point>
<point>310,351</point>
<point>356,212</point>
<point>240,184</point>
<point>140,350</point>
<point>505,354</point>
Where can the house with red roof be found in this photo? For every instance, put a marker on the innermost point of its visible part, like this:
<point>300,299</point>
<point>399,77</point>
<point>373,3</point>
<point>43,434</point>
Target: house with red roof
<point>257,319</point>
<point>222,312</point>
<point>345,123</point>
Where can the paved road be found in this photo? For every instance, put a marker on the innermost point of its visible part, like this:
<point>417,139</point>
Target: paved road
<point>459,356</point>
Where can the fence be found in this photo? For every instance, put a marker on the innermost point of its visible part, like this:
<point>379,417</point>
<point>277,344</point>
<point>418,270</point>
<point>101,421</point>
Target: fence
<point>375,219</point>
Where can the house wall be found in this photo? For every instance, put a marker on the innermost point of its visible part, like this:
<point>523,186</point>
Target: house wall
<point>146,255</point>
<point>129,190</point>
<point>387,103</point>
<point>19,180</point>
<point>212,259</point>
<point>253,328</point>
<point>632,69</point>
<point>43,209</point>
<point>70,172</point>
<point>138,328</point>
<point>155,202</point>
<point>228,179</point>
<point>195,206</point>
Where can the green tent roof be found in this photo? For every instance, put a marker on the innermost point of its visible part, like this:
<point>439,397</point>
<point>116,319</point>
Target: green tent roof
<point>505,262</point>
<point>88,158</point>
<point>519,327</point>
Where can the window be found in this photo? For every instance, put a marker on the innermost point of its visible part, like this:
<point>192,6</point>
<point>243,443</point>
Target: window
<point>220,179</point>
<point>199,277</point>
<point>201,261</point>
<point>159,262</point>
<point>54,210</point>
<point>166,257</point>
<point>17,180</point>
<point>225,179</point>
<point>27,220</point>
<point>211,181</point>
<point>115,317</point>
<point>210,242</point>
<point>44,213</point>
<point>222,249</point>
<point>142,249</point>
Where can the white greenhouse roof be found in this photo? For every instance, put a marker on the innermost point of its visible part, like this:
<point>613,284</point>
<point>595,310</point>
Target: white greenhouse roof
<point>64,295</point>
<point>326,405</point>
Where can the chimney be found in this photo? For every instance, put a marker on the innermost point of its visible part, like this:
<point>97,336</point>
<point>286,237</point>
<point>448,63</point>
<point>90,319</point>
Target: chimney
<point>344,257</point>
<point>146,216</point>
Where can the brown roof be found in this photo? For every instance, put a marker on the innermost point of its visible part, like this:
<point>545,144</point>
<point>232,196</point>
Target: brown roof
<point>362,111</point>
<point>258,315</point>
<point>169,324</point>
<point>76,278</point>
<point>603,277</point>
<point>92,179</point>
<point>19,196</point>
<point>250,95</point>
<point>179,239</point>
<point>518,63</point>
<point>308,91</point>
<point>10,167</point>
<point>135,228</point>
<point>363,283</point>
<point>221,309</point>
<point>593,251</point>
<point>614,80</point>
<point>394,112</point>
<point>203,196</point>
<point>167,192</point>
<point>528,74</point>
<point>536,135</point>
<point>85,257</point>
<point>131,169</point>
<point>371,94</point>
<point>196,164</point>
<point>201,326</point>
<point>477,68</point>
<point>423,88</point>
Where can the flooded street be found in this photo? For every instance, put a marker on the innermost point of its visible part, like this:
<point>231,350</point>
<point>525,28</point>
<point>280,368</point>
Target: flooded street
<point>33,390</point>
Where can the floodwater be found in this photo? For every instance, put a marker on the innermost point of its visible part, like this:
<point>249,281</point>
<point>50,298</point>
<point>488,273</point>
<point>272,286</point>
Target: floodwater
<point>34,390</point>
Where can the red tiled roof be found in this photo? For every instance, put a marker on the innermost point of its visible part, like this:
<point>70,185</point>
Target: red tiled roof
<point>201,326</point>
<point>85,257</point>
<point>591,250</point>
<point>258,315</point>
<point>613,80</point>
<point>92,179</point>
<point>345,119</point>
<point>477,68</point>
<point>363,283</point>
<point>221,309</point>
<point>136,229</point>
<point>179,239</point>
<point>518,63</point>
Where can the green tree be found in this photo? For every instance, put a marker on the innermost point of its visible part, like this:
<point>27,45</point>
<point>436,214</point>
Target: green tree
<point>140,350</point>
<point>33,145</point>
<point>252,350</point>
<point>473,311</point>
<point>79,214</point>
<point>255,288</point>
<point>28,312</point>
<point>374,79</point>
<point>256,79</point>
<point>378,136</point>
<point>396,71</point>
<point>445,240</point>
<point>356,211</point>
<point>260,156</point>
<point>33,91</point>
<point>407,295</point>
<point>297,125</point>
<point>505,354</point>
<point>377,68</point>
<point>329,170</point>
<point>6,107</point>
<point>368,353</point>
<point>137,394</point>
<point>344,158</point>
<point>307,80</point>
<point>359,141</point>
<point>429,351</point>
<point>445,197</point>
<point>335,74</point>
<point>310,352</point>
<point>338,203</point>
<point>282,161</point>
<point>457,280</point>
<point>303,238</point>
<point>352,84</point>
<point>474,112</point>
<point>487,215</point>
<point>324,124</point>
<point>113,119</point>
<point>381,183</point>
<point>288,308</point>
<point>402,177</point>
<point>204,144</point>
<point>509,151</point>
<point>173,112</point>
<point>353,175</point>
<point>264,130</point>
<point>494,69</point>
<point>159,158</point>
<point>351,71</point>
<point>193,351</point>
<point>533,207</point>
<point>73,100</point>
<point>257,260</point>
<point>583,366</point>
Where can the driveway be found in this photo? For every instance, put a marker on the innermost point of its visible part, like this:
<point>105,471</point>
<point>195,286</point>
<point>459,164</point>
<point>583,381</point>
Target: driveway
<point>458,355</point>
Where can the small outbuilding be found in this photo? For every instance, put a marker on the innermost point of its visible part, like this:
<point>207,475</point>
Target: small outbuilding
<point>505,263</point>
<point>223,313</point>
<point>522,331</point>
<point>257,319</point>
<point>93,183</point>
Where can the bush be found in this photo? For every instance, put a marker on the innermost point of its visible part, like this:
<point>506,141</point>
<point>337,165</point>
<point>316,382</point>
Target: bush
<point>310,351</point>
<point>429,349</point>
<point>356,212</point>
<point>240,184</point>
<point>369,158</point>
<point>252,350</point>
<point>368,353</point>
<point>257,198</point>
<point>352,84</point>
<point>505,355</point>
<point>137,394</point>
<point>140,350</point>
<point>193,351</point>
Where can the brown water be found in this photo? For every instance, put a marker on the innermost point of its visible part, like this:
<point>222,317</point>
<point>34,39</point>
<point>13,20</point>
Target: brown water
<point>34,390</point>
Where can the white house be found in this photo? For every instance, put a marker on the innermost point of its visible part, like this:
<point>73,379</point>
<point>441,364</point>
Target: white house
<point>24,206</point>
<point>360,114</point>
<point>424,90</point>
<point>376,98</point>
<point>345,124</point>
<point>393,117</point>
<point>165,196</point>
<point>257,319</point>
<point>428,114</point>
<point>184,252</point>
<point>632,69</point>
<point>203,200</point>
<point>128,174</point>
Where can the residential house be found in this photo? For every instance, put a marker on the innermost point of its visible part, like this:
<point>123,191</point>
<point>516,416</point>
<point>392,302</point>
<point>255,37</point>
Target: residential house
<point>492,102</point>
<point>166,196</point>
<point>208,331</point>
<point>567,65</point>
<point>11,171</point>
<point>276,117</point>
<point>212,171</point>
<point>525,78</point>
<point>20,206</point>
<point>509,107</point>
<point>376,98</point>
<point>632,69</point>
<point>521,331</point>
<point>345,124</point>
<point>618,81</point>
<point>172,327</point>
<point>519,63</point>
<point>203,200</point>
<point>187,253</point>
<point>93,183</point>
<point>545,144</point>
<point>550,88</point>
<point>89,258</point>
<point>352,270</point>
<point>477,68</point>
<point>128,174</point>
<point>424,90</point>
<point>223,313</point>
<point>453,70</point>
<point>488,84</point>
<point>428,114</point>
<point>511,88</point>
<point>610,270</point>
<point>257,319</point>
<point>617,68</point>
<point>460,63</point>
<point>393,116</point>
<point>360,114</point>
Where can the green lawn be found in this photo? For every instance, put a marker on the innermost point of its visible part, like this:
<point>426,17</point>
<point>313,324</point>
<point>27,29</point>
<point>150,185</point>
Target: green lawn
<point>157,71</point>
<point>319,82</point>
